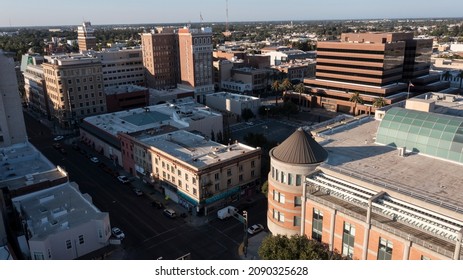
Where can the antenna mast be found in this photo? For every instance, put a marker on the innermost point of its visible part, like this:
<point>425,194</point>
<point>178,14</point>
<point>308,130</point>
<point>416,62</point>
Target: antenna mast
<point>227,32</point>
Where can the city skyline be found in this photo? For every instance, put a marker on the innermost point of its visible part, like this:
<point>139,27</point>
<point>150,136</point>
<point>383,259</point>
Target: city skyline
<point>28,13</point>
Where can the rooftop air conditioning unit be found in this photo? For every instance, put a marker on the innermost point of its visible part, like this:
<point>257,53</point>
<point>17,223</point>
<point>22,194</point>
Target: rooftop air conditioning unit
<point>401,151</point>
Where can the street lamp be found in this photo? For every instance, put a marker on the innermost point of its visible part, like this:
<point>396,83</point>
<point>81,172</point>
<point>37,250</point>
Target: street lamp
<point>245,239</point>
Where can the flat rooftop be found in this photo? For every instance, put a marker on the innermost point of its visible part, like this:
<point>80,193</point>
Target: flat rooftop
<point>352,150</point>
<point>20,160</point>
<point>233,96</point>
<point>123,89</point>
<point>178,114</point>
<point>193,149</point>
<point>56,209</point>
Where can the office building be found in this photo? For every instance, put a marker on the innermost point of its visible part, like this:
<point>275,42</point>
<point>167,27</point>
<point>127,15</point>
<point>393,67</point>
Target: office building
<point>195,56</point>
<point>233,104</point>
<point>121,66</point>
<point>74,85</point>
<point>85,37</point>
<point>12,128</point>
<point>391,66</point>
<point>126,97</point>
<point>378,189</point>
<point>160,58</point>
<point>193,170</point>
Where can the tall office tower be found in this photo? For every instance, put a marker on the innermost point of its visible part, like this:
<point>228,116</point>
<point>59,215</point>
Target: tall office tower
<point>375,65</point>
<point>160,58</point>
<point>12,127</point>
<point>85,37</point>
<point>195,56</point>
<point>74,86</point>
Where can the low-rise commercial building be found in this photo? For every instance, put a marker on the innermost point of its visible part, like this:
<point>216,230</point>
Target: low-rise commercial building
<point>100,132</point>
<point>193,170</point>
<point>231,103</point>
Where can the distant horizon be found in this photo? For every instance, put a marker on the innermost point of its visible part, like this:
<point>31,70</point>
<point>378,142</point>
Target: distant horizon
<point>231,22</point>
<point>29,13</point>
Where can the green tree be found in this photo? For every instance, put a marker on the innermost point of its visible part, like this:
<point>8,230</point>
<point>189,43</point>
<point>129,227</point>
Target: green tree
<point>286,85</point>
<point>300,88</point>
<point>446,75</point>
<point>276,87</point>
<point>296,247</point>
<point>355,98</point>
<point>460,75</point>
<point>264,188</point>
<point>379,102</point>
<point>247,114</point>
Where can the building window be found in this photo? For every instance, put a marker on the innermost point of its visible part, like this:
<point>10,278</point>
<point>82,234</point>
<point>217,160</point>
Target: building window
<point>179,183</point>
<point>81,239</point>
<point>298,179</point>
<point>38,256</point>
<point>348,236</point>
<point>317,225</point>
<point>216,176</point>
<point>68,244</point>
<point>276,174</point>
<point>297,221</point>
<point>290,179</point>
<point>253,173</point>
<point>241,168</point>
<point>385,249</point>
<point>283,177</point>
<point>217,186</point>
<point>253,164</point>
<point>229,173</point>
<point>241,178</point>
<point>297,201</point>
<point>193,180</point>
<point>228,182</point>
<point>277,215</point>
<point>424,258</point>
<point>186,177</point>
<point>179,172</point>
<point>194,191</point>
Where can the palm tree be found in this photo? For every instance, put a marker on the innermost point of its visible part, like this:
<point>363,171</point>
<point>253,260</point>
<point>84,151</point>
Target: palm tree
<point>286,85</point>
<point>460,75</point>
<point>276,87</point>
<point>300,88</point>
<point>446,76</point>
<point>379,102</point>
<point>356,98</point>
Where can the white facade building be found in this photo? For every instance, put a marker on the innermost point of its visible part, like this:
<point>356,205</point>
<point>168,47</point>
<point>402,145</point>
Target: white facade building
<point>62,224</point>
<point>233,103</point>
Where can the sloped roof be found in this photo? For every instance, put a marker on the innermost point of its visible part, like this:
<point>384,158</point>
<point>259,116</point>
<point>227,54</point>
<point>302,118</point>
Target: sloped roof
<point>300,148</point>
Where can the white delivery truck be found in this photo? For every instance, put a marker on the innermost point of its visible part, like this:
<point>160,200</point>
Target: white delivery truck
<point>226,212</point>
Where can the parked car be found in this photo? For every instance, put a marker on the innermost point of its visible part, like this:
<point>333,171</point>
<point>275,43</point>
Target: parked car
<point>58,138</point>
<point>118,233</point>
<point>94,160</point>
<point>255,229</point>
<point>137,191</point>
<point>157,204</point>
<point>123,179</point>
<point>170,213</point>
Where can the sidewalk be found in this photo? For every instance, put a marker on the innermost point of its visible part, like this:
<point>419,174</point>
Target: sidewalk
<point>253,247</point>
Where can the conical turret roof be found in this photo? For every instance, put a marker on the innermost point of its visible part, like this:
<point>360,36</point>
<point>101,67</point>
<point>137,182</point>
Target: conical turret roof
<point>300,148</point>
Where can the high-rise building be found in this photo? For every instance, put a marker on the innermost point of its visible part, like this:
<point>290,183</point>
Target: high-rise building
<point>85,37</point>
<point>74,86</point>
<point>391,66</point>
<point>12,128</point>
<point>160,58</point>
<point>195,56</point>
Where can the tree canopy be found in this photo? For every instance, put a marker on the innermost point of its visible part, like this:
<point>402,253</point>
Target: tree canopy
<point>296,247</point>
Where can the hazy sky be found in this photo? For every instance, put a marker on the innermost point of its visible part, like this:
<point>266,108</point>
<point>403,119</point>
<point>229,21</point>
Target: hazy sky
<point>66,12</point>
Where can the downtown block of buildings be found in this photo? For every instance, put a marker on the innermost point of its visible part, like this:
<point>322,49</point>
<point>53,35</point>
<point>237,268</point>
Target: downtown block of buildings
<point>43,215</point>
